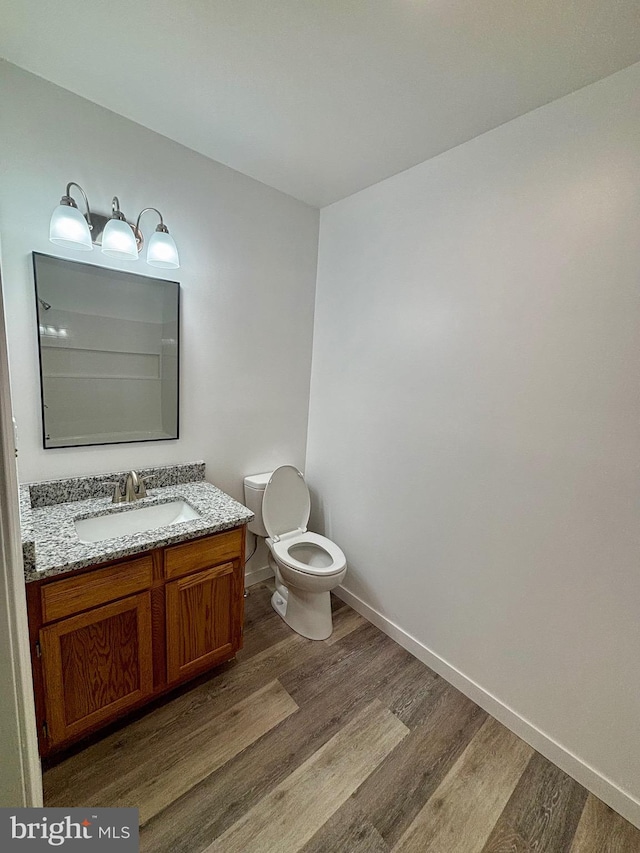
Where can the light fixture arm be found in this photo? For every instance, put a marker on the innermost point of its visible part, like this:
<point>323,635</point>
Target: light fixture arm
<point>68,201</point>
<point>161,227</point>
<point>116,213</point>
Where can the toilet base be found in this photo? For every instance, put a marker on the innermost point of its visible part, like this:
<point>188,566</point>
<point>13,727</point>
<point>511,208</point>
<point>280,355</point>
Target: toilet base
<point>306,613</point>
<point>279,604</point>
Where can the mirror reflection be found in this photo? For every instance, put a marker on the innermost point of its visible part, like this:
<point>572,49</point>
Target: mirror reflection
<point>109,352</point>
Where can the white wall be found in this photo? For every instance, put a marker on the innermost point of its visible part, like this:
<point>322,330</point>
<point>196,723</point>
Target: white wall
<point>248,263</point>
<point>475,414</point>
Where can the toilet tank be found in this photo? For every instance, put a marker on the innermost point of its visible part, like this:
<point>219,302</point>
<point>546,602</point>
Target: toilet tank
<point>254,487</point>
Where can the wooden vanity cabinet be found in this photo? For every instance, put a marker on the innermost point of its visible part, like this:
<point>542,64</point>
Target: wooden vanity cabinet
<point>204,601</point>
<point>96,665</point>
<point>108,639</point>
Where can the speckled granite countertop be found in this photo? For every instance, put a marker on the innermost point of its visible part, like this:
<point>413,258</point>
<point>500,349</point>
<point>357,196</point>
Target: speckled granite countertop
<point>50,542</point>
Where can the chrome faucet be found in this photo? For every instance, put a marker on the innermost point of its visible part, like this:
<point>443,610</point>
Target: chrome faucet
<point>134,488</point>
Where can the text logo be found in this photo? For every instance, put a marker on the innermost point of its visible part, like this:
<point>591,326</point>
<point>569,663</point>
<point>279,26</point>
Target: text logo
<point>102,830</point>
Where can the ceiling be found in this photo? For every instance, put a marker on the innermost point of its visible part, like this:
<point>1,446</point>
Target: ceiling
<point>320,98</point>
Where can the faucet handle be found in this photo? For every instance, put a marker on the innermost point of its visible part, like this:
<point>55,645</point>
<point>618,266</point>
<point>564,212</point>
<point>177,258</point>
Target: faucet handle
<point>118,495</point>
<point>142,485</point>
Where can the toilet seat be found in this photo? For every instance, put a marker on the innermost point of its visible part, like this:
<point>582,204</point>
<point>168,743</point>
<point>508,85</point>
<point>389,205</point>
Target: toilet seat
<point>282,551</point>
<point>285,512</point>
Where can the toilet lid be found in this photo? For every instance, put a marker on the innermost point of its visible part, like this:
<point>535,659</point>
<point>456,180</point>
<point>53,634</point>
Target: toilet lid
<point>286,504</point>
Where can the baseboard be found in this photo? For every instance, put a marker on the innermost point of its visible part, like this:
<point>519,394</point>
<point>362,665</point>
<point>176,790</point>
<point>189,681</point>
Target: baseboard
<point>599,785</point>
<point>257,575</point>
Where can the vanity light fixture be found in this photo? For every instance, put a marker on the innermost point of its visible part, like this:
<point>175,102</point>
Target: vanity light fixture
<point>116,237</point>
<point>68,227</point>
<point>161,251</point>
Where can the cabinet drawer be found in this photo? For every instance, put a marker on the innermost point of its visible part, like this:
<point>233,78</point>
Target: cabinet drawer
<point>75,594</point>
<point>189,557</point>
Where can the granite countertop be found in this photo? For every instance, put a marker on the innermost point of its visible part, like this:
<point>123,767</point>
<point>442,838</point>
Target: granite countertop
<point>50,542</point>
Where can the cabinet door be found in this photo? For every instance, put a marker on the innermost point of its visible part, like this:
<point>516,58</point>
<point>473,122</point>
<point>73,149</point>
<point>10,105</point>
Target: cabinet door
<point>96,665</point>
<point>203,626</point>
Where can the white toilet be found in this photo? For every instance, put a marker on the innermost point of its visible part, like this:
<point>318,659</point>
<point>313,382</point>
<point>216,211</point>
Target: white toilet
<point>306,565</point>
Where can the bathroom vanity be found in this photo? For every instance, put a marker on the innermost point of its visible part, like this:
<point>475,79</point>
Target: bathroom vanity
<point>116,623</point>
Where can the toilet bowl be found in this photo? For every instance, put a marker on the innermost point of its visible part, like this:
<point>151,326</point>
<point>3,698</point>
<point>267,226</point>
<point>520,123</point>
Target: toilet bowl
<point>306,565</point>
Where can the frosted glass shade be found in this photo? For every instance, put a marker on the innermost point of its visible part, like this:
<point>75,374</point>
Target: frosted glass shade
<point>69,228</point>
<point>162,251</point>
<point>118,240</point>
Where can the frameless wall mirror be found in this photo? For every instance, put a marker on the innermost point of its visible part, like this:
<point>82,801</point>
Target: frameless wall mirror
<point>109,352</point>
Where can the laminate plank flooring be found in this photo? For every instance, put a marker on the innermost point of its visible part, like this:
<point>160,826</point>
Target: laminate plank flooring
<point>345,621</point>
<point>352,832</point>
<point>317,788</point>
<point>349,745</point>
<point>601,830</point>
<point>164,775</point>
<point>418,765</point>
<point>551,824</point>
<point>84,773</point>
<point>485,775</point>
<point>242,782</point>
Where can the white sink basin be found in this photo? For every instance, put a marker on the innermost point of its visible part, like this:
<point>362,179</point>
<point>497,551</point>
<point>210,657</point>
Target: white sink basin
<point>134,520</point>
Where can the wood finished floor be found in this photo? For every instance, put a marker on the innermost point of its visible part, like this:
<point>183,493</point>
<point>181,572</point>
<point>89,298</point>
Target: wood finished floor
<point>345,745</point>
